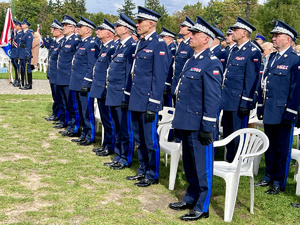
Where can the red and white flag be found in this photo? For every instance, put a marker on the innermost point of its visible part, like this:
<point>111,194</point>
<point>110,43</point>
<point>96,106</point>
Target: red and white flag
<point>8,26</point>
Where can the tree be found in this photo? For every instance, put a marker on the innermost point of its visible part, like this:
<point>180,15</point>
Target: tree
<point>127,8</point>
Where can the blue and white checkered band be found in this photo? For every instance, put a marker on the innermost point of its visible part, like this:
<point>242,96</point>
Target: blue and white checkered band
<point>147,16</point>
<point>166,34</point>
<point>83,23</point>
<point>123,23</point>
<point>69,22</point>
<point>205,30</point>
<point>106,27</point>
<point>55,25</point>
<point>282,30</point>
<point>243,26</point>
<point>186,23</point>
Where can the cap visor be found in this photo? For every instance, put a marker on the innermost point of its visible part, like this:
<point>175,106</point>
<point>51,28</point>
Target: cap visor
<point>194,29</point>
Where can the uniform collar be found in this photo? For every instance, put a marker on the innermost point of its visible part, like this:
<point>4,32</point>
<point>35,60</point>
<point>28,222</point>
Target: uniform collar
<point>212,48</point>
<point>283,51</point>
<point>198,54</point>
<point>125,40</point>
<point>67,38</point>
<point>25,30</point>
<point>186,40</point>
<point>149,35</point>
<point>58,40</point>
<point>231,46</point>
<point>85,38</point>
<point>19,31</point>
<point>242,45</point>
<point>106,43</point>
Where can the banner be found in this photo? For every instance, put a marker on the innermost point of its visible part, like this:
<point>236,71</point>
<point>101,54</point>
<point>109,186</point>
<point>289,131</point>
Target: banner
<point>5,41</point>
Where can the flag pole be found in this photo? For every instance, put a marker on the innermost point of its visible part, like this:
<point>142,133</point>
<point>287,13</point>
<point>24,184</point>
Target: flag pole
<point>9,62</point>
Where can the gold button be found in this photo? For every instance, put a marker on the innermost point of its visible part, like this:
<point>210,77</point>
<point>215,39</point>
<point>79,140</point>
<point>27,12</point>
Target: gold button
<point>182,75</point>
<point>192,76</point>
<point>181,83</point>
<point>178,99</point>
<point>267,97</point>
<point>132,83</point>
<point>179,91</point>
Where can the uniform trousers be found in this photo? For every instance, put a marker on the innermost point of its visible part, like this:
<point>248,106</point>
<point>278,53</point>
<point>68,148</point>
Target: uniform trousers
<point>198,166</point>
<point>146,138</point>
<point>107,122</point>
<point>278,155</point>
<point>70,104</point>
<point>86,112</point>
<point>231,122</point>
<point>124,145</point>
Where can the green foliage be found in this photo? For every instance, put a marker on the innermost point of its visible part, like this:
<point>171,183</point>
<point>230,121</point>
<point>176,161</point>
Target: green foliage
<point>127,8</point>
<point>3,8</point>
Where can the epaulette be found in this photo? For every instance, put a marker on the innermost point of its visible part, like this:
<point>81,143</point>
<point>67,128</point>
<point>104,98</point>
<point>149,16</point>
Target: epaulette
<point>295,52</point>
<point>253,49</point>
<point>213,57</point>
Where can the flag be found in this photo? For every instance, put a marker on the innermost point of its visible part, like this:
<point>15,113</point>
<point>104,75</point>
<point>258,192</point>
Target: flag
<point>5,42</point>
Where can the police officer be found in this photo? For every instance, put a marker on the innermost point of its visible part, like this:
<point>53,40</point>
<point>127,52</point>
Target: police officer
<point>239,83</point>
<point>217,49</point>
<point>279,106</point>
<point>148,76</point>
<point>57,107</point>
<point>198,98</point>
<point>98,90</point>
<point>25,56</point>
<point>183,53</point>
<point>64,63</point>
<point>47,41</point>
<point>15,51</point>
<point>117,76</point>
<point>259,39</point>
<point>81,80</point>
<point>230,43</point>
<point>168,37</point>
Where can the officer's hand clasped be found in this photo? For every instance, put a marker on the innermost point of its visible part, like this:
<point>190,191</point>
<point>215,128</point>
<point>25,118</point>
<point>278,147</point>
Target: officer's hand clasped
<point>150,116</point>
<point>205,138</point>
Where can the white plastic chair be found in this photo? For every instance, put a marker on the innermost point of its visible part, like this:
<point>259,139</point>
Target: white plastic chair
<point>167,115</point>
<point>172,148</point>
<point>296,155</point>
<point>98,119</point>
<point>252,143</point>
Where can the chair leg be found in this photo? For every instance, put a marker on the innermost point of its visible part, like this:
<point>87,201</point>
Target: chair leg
<point>251,195</point>
<point>173,169</point>
<point>232,186</point>
<point>256,162</point>
<point>297,175</point>
<point>166,159</point>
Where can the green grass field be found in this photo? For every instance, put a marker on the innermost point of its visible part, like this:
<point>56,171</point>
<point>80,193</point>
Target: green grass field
<point>35,75</point>
<point>47,179</point>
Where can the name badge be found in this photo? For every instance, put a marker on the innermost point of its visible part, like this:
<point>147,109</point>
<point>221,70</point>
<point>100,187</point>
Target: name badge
<point>193,69</point>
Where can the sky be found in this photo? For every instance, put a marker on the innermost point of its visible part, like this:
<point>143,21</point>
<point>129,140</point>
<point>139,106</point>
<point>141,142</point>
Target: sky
<point>112,6</point>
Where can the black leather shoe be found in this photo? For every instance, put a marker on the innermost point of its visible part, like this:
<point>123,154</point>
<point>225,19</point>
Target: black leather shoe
<point>136,177</point>
<point>56,123</point>
<point>146,182</point>
<point>62,131</point>
<point>78,140</point>
<point>262,183</point>
<point>180,205</point>
<point>118,166</point>
<point>85,143</point>
<point>60,126</point>
<point>65,133</point>
<point>105,152</point>
<point>72,134</point>
<point>54,118</point>
<point>296,205</point>
<point>194,215</point>
<point>274,190</point>
<point>110,163</point>
<point>98,149</point>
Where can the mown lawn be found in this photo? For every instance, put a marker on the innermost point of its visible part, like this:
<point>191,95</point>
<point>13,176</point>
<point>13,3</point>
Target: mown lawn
<point>47,179</point>
<point>35,75</point>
